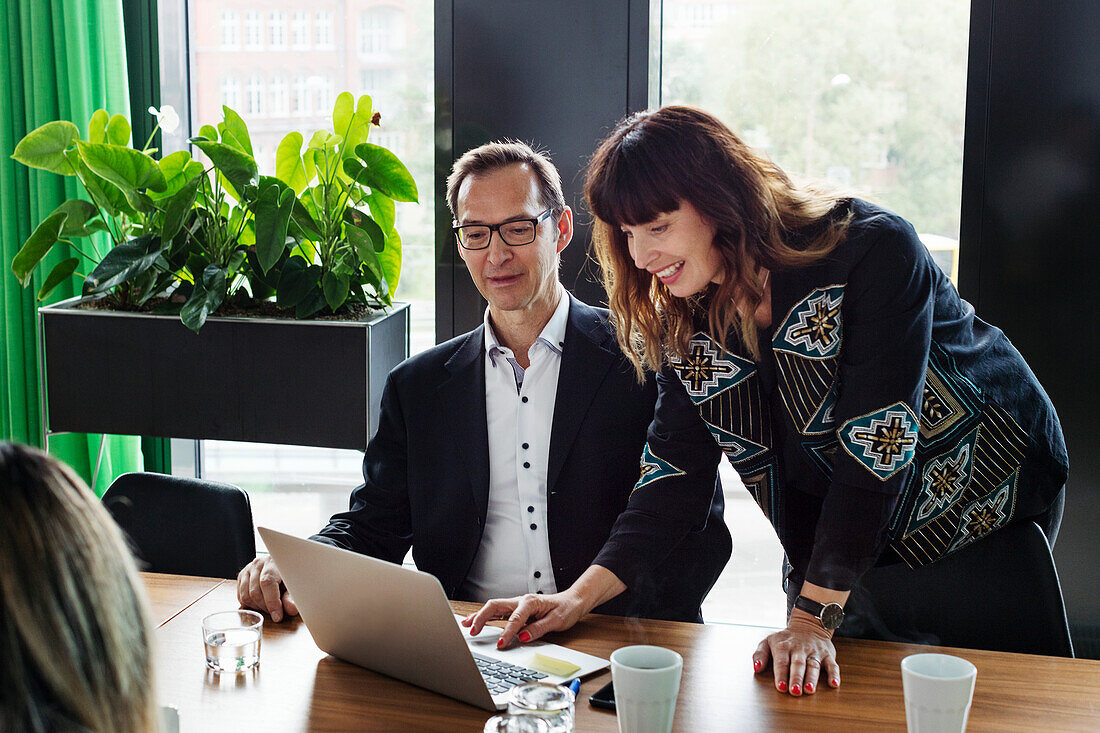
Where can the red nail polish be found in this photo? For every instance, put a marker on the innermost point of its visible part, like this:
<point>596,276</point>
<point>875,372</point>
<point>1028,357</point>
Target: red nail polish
<point>796,690</point>
<point>756,665</point>
<point>782,686</point>
<point>500,643</point>
<point>835,682</point>
<point>524,637</point>
<point>809,687</point>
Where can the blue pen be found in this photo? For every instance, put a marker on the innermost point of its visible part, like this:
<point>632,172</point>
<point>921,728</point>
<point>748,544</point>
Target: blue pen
<point>575,687</point>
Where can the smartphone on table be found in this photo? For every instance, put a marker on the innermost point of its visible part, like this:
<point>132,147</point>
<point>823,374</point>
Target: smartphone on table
<point>604,697</point>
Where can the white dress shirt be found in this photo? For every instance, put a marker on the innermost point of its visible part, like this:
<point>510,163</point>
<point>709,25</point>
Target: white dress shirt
<point>514,555</point>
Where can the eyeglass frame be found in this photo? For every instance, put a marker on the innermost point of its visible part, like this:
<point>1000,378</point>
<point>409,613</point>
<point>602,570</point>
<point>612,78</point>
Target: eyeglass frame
<point>496,228</point>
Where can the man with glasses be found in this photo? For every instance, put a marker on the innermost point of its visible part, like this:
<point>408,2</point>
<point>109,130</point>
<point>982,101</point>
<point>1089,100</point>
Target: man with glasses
<point>505,456</point>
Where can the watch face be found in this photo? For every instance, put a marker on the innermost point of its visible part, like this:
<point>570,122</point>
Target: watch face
<point>831,616</point>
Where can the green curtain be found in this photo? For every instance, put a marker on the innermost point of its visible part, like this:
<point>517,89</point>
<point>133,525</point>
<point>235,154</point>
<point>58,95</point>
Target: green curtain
<point>61,60</point>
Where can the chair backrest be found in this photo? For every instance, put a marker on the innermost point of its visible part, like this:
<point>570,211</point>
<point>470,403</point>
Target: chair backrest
<point>1001,593</point>
<point>183,525</point>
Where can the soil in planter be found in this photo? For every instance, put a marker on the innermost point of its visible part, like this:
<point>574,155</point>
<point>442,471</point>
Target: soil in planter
<point>243,309</point>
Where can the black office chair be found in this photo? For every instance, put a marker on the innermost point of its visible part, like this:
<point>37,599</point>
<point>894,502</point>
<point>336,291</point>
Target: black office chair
<point>183,525</point>
<point>1001,593</point>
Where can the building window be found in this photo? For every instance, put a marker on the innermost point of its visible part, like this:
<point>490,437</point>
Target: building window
<point>381,31</point>
<point>280,100</point>
<point>231,29</point>
<point>324,29</point>
<point>300,103</point>
<point>255,96</point>
<point>299,30</point>
<point>253,31</point>
<point>231,92</point>
<point>276,27</point>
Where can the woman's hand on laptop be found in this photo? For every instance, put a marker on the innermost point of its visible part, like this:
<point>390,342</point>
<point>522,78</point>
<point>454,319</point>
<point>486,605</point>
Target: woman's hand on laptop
<point>260,586</point>
<point>531,616</point>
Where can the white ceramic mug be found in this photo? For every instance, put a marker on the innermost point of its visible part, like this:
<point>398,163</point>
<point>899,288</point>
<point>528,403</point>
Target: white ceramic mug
<point>938,690</point>
<point>647,681</point>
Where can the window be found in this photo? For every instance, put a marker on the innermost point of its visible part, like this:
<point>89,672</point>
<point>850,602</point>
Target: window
<point>276,28</point>
<point>324,29</point>
<point>866,94</point>
<point>231,92</point>
<point>299,30</point>
<point>280,100</point>
<point>231,29</point>
<point>255,96</point>
<point>279,89</point>
<point>253,32</point>
<point>381,31</point>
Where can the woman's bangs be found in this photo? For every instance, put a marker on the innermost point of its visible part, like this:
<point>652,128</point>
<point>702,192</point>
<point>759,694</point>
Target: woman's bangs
<point>629,191</point>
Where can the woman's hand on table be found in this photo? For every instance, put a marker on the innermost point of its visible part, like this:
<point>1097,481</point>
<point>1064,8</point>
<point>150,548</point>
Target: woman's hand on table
<point>799,655</point>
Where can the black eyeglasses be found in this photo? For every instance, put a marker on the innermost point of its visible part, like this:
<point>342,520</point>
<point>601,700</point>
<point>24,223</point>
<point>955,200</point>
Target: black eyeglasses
<point>515,233</point>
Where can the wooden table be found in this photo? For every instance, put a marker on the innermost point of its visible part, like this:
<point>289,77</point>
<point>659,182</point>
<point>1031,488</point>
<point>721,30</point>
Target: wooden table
<point>300,688</point>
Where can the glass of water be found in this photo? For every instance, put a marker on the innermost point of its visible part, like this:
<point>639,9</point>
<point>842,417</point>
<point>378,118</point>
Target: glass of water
<point>511,723</point>
<point>232,640</point>
<point>552,703</point>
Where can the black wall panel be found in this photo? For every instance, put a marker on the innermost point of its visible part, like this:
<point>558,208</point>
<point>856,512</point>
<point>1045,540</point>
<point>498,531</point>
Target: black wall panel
<point>1031,217</point>
<point>557,75</point>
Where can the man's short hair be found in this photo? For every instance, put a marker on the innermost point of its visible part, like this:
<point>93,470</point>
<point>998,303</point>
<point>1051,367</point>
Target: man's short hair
<point>496,155</point>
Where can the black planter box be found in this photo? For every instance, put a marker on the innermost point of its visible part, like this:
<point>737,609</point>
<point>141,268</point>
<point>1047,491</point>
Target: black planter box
<point>260,380</point>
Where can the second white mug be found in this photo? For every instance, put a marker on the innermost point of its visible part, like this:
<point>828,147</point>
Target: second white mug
<point>647,682</point>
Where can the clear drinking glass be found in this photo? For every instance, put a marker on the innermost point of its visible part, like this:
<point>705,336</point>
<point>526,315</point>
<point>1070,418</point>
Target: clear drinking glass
<point>512,723</point>
<point>552,703</point>
<point>232,640</point>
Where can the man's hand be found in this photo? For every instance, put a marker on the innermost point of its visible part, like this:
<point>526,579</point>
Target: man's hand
<point>531,616</point>
<point>260,586</point>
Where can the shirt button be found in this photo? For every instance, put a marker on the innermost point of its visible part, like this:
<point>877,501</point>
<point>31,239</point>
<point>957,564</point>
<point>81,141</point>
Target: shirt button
<point>525,446</point>
<point>526,464</point>
<point>524,399</point>
<point>538,574</point>
<point>530,508</point>
<point>534,526</point>
<point>539,592</point>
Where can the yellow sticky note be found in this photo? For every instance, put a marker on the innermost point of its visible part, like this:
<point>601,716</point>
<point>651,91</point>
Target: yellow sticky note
<point>556,667</point>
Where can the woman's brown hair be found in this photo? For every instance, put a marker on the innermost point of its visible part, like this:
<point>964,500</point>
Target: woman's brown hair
<point>76,644</point>
<point>648,165</point>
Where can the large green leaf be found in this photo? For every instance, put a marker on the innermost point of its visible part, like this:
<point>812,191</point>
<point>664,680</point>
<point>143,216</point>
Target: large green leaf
<point>238,168</point>
<point>208,132</point>
<point>313,302</point>
<point>118,130</point>
<point>364,248</point>
<point>360,219</point>
<point>272,211</point>
<point>295,282</point>
<point>79,212</point>
<point>351,121</point>
<point>209,292</point>
<point>44,236</point>
<point>235,126</point>
<point>290,168</point>
<point>336,290</point>
<point>386,173</point>
<point>123,263</point>
<point>382,210</point>
<point>97,126</point>
<point>59,274</point>
<point>390,257</point>
<point>179,206</point>
<point>105,194</point>
<point>44,147</point>
<point>127,168</point>
<point>178,169</point>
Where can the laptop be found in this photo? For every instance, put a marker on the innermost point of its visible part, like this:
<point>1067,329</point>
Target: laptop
<point>397,621</point>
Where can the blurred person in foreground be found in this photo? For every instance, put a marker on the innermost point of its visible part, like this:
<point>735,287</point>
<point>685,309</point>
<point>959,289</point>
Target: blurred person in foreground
<point>75,640</point>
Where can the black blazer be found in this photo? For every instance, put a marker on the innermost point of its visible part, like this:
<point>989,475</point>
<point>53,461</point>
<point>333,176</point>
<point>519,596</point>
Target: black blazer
<point>426,474</point>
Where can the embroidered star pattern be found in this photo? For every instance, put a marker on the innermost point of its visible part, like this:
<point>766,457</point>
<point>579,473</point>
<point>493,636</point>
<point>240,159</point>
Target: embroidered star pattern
<point>944,480</point>
<point>887,441</point>
<point>818,327</point>
<point>701,368</point>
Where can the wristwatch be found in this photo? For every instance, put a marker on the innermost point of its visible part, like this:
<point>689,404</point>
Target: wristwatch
<point>829,614</point>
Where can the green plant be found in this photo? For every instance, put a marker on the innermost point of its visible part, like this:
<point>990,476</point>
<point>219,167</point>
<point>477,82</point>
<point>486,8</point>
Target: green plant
<point>344,247</point>
<point>139,203</point>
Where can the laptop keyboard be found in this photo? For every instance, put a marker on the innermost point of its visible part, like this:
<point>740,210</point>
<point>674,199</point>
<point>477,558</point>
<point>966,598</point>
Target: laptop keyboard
<point>500,676</point>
